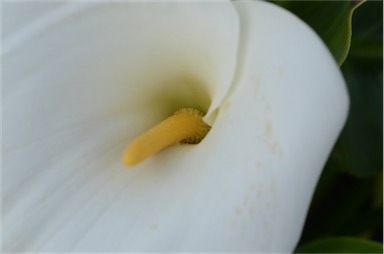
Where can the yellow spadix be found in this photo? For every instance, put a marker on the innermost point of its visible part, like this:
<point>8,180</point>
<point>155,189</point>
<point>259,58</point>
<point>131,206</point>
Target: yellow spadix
<point>186,126</point>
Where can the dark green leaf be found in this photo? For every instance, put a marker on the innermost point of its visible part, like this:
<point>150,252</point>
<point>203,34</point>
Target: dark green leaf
<point>344,205</point>
<point>341,245</point>
<point>368,33</point>
<point>330,19</point>
<point>360,147</point>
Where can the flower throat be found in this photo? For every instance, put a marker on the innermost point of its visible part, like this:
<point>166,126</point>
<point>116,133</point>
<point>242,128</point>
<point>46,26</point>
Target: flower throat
<point>185,126</point>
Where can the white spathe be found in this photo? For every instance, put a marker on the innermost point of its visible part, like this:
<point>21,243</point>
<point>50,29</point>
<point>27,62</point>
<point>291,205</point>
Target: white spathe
<point>81,80</point>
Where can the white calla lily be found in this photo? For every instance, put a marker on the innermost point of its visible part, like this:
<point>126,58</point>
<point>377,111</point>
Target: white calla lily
<point>81,80</point>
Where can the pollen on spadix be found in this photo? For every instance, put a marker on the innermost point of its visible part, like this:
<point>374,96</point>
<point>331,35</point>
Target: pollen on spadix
<point>185,126</point>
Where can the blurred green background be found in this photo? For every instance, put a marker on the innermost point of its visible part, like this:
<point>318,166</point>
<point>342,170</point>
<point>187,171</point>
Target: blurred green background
<point>346,214</point>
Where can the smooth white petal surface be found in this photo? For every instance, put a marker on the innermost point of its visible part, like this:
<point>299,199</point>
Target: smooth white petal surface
<point>81,80</point>
<point>274,133</point>
<point>71,103</point>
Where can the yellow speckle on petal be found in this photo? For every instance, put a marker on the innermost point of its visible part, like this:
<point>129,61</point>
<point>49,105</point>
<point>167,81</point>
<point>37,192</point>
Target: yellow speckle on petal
<point>185,125</point>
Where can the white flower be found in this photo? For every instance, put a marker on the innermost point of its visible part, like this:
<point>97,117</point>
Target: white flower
<point>81,80</point>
